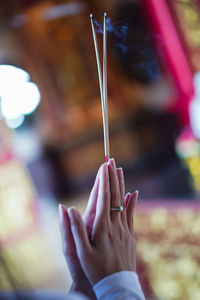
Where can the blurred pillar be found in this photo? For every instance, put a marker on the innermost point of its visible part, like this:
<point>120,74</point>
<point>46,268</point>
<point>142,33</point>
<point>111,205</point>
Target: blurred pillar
<point>162,24</point>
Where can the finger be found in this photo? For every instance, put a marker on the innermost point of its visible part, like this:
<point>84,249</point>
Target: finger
<point>66,234</point>
<point>91,207</point>
<point>131,203</point>
<point>122,193</point>
<point>126,199</point>
<point>90,212</point>
<point>79,233</point>
<point>103,199</point>
<point>68,245</point>
<point>114,189</point>
<point>120,175</point>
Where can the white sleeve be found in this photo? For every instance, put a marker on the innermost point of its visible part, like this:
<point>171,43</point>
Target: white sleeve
<point>76,296</point>
<point>119,286</point>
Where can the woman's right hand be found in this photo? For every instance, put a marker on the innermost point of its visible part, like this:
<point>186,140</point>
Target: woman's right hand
<point>110,246</point>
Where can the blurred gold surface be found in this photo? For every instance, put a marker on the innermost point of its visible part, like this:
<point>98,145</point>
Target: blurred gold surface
<point>168,244</point>
<point>27,250</point>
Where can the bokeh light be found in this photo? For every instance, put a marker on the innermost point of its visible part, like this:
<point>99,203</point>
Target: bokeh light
<point>15,123</point>
<point>19,97</point>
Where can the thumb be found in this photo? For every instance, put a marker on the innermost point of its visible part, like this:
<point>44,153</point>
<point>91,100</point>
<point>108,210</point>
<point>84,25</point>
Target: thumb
<point>79,233</point>
<point>131,200</point>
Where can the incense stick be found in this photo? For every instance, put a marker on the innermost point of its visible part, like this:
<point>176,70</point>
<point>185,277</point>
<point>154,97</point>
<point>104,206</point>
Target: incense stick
<point>97,56</point>
<point>102,85</point>
<point>107,154</point>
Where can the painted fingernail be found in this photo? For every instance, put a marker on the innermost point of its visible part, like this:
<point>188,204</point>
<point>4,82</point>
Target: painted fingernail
<point>108,162</point>
<point>127,199</point>
<point>128,195</point>
<point>120,173</point>
<point>120,170</point>
<point>112,160</point>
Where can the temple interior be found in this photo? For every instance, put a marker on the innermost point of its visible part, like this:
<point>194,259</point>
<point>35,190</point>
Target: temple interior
<point>52,143</point>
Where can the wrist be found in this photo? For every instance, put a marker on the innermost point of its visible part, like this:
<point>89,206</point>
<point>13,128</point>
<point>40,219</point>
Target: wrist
<point>94,278</point>
<point>83,288</point>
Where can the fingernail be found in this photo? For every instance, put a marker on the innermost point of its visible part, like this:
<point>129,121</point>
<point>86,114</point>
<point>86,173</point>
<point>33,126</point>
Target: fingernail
<point>112,161</point>
<point>136,195</point>
<point>128,197</point>
<point>72,213</point>
<point>108,162</point>
<point>105,168</point>
<point>120,170</point>
<point>60,208</point>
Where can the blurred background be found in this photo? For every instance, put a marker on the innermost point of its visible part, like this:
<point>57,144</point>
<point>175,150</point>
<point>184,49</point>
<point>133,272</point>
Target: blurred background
<point>51,137</point>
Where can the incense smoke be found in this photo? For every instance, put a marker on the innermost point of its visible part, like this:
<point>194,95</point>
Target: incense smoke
<point>118,30</point>
<point>134,49</point>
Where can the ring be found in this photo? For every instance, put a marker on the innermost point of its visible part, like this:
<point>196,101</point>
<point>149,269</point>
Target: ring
<point>117,208</point>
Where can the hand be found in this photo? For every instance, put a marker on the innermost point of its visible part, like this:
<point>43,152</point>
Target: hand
<point>111,247</point>
<point>80,281</point>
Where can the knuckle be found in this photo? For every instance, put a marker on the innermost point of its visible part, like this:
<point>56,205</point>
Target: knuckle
<point>102,230</point>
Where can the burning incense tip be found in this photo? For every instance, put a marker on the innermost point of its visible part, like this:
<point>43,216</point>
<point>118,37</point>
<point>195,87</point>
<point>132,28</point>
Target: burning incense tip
<point>91,16</point>
<point>105,14</point>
